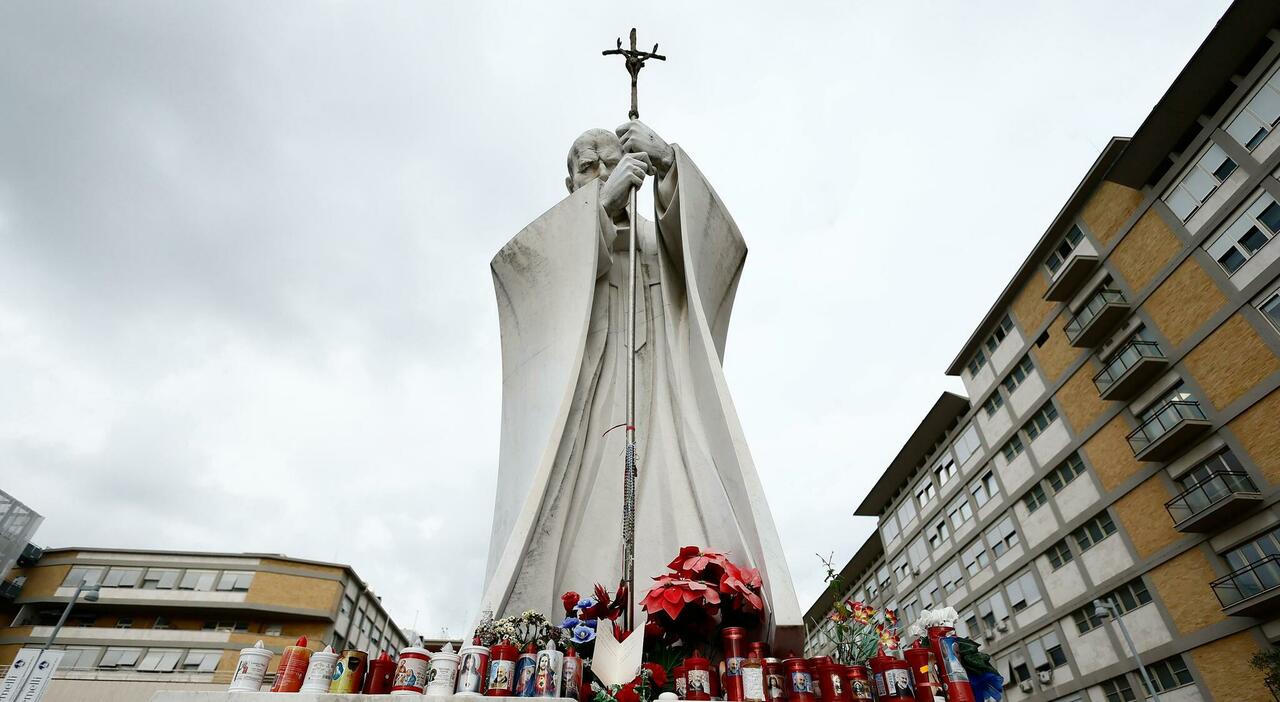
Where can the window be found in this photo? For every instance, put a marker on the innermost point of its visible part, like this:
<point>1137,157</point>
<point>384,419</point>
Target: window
<point>1041,420</point>
<point>225,626</point>
<point>902,569</point>
<point>1270,309</point>
<point>1064,248</point>
<point>1059,554</point>
<point>959,512</point>
<point>1017,667</point>
<point>889,528</point>
<point>1012,448</point>
<point>1023,592</point>
<point>1034,498</point>
<point>1047,652</point>
<point>1117,689</point>
<point>160,579</point>
<point>201,661</point>
<point>929,594</point>
<point>1093,531</point>
<point>79,657</point>
<point>160,660</point>
<point>999,333</point>
<point>938,535</point>
<point>951,577</point>
<point>1199,182</point>
<point>1167,674</point>
<point>235,581</point>
<point>89,575</point>
<point>122,577</point>
<point>967,443</point>
<point>917,551</point>
<point>1002,536</point>
<point>1125,598</point>
<point>977,362</point>
<point>124,623</point>
<point>906,513</point>
<point>161,623</point>
<point>909,611</point>
<point>945,471</point>
<point>201,580</point>
<point>993,403</point>
<point>1219,463</point>
<point>1267,544</point>
<point>925,492</point>
<point>1018,374</point>
<point>1066,471</point>
<point>120,657</point>
<point>1257,118</point>
<point>1244,237</point>
<point>984,488</point>
<point>975,558</point>
<point>992,611</point>
<point>884,577</point>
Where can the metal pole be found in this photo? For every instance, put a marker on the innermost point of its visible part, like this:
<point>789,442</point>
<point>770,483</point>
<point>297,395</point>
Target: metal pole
<point>629,479</point>
<point>35,665</point>
<point>1111,611</point>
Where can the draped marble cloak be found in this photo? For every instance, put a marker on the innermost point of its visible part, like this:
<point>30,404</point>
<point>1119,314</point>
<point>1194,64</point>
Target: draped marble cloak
<point>561,285</point>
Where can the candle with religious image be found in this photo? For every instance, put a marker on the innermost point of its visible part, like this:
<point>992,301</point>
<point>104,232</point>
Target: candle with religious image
<point>571,675</point>
<point>501,678</point>
<point>293,667</point>
<point>524,671</point>
<point>697,674</point>
<point>412,671</point>
<point>348,675</point>
<point>251,669</point>
<point>732,645</point>
<point>443,673</point>
<point>857,681</point>
<point>680,680</point>
<point>753,678</point>
<point>473,664</point>
<point>546,672</point>
<point>320,671</point>
<point>775,680</point>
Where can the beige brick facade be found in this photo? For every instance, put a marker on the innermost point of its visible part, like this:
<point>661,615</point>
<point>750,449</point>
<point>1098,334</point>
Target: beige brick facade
<point>294,591</point>
<point>1256,428</point>
<point>1184,302</point>
<point>1030,309</point>
<point>1230,361</point>
<point>1146,249</point>
<point>1144,518</point>
<point>1109,208</point>
<point>1224,665</point>
<point>1182,584</point>
<point>1078,399</point>
<point>1110,454</point>
<point>1057,354</point>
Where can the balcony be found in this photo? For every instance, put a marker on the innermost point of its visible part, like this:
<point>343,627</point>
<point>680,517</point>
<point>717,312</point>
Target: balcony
<point>1252,591</point>
<point>1168,430</point>
<point>1223,497</point>
<point>10,589</point>
<point>1097,318</point>
<point>1074,273</point>
<point>1130,369</point>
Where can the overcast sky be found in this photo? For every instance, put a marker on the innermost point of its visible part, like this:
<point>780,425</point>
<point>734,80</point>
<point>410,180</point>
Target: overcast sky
<point>245,301</point>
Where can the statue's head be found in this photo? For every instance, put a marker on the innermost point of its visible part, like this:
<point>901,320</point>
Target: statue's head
<point>593,155</point>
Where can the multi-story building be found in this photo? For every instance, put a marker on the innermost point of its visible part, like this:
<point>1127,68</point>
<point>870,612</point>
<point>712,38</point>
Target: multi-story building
<point>179,619</point>
<point>1123,442</point>
<point>18,523</point>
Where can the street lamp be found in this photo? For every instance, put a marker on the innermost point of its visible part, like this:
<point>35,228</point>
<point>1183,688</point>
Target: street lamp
<point>90,593</point>
<point>1102,609</point>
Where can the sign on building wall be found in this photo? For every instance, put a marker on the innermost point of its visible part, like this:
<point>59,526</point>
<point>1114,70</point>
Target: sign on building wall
<point>29,675</point>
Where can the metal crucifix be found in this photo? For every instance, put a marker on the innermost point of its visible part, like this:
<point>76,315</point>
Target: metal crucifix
<point>634,61</point>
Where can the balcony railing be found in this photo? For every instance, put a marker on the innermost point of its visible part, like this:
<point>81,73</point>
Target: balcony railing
<point>1195,503</point>
<point>1073,273</point>
<point>1097,317</point>
<point>1136,361</point>
<point>1247,589</point>
<point>1167,429</point>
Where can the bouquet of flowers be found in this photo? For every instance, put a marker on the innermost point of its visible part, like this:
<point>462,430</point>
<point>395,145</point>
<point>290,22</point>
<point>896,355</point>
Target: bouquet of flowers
<point>646,686</point>
<point>583,615</point>
<point>529,627</point>
<point>703,591</point>
<point>857,630</point>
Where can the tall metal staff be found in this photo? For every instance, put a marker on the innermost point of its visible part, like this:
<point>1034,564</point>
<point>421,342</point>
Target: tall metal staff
<point>634,61</point>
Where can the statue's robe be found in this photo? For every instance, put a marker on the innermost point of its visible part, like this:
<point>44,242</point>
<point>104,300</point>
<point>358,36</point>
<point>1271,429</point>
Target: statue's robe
<point>562,295</point>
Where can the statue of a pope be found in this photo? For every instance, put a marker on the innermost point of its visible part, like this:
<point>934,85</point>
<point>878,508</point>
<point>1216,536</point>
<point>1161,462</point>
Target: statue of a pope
<point>562,295</point>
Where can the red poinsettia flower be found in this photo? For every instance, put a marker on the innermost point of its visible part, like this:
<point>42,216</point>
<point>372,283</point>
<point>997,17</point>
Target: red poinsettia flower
<point>741,595</point>
<point>653,630</point>
<point>619,602</point>
<point>694,561</point>
<point>570,600</point>
<point>657,672</point>
<point>672,593</point>
<point>627,693</point>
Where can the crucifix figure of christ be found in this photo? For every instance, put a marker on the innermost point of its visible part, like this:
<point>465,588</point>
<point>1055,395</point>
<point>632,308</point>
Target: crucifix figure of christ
<point>608,317</point>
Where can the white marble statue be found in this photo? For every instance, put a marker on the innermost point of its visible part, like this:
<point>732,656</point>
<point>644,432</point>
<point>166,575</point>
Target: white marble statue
<point>562,295</point>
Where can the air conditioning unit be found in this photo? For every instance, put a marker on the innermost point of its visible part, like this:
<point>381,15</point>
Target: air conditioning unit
<point>1002,627</point>
<point>915,570</point>
<point>989,635</point>
<point>30,554</point>
<point>1045,675</point>
<point>1025,686</point>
